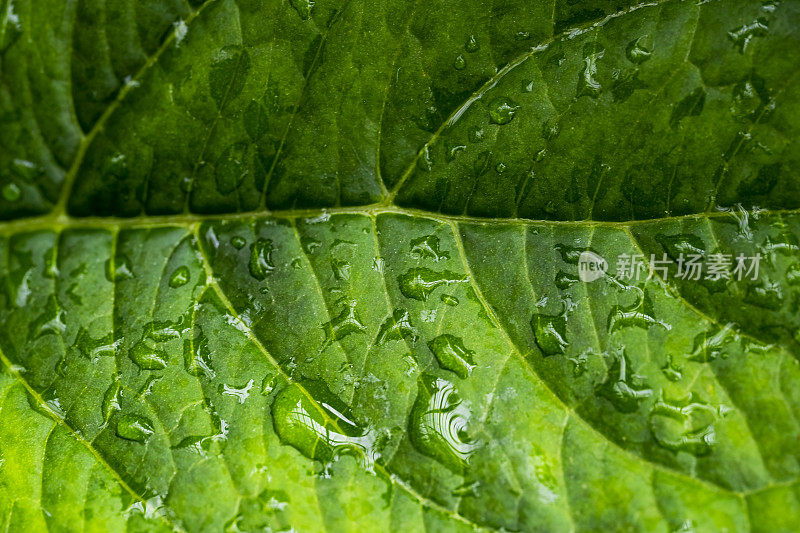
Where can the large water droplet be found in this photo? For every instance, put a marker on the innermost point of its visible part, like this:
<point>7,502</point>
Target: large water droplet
<point>320,432</point>
<point>745,33</point>
<point>134,427</point>
<point>640,50</point>
<point>623,388</point>
<point>502,110</point>
<point>419,283</point>
<point>587,83</point>
<point>453,355</point>
<point>438,425</point>
<point>640,314</point>
<point>197,357</point>
<point>261,259</point>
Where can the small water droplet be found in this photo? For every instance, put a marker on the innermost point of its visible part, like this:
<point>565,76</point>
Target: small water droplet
<point>708,345</point>
<point>419,283</point>
<point>261,259</point>
<point>134,427</point>
<point>453,355</point>
<point>397,327</point>
<point>639,314</point>
<point>341,270</point>
<point>147,356</point>
<point>343,324</point>
<point>238,242</point>
<point>197,357</point>
<point>459,63</point>
<point>110,401</point>
<point>550,332</point>
<point>303,8</point>
<point>240,393</point>
<point>472,44</point>
<point>449,299</point>
<point>588,85</point>
<point>502,110</point>
<point>564,280</point>
<point>428,246</point>
<point>439,424</point>
<point>120,269</point>
<point>11,192</point>
<point>500,167</point>
<point>623,388</point>
<point>685,425</point>
<point>476,134</point>
<point>639,50</point>
<point>179,277</point>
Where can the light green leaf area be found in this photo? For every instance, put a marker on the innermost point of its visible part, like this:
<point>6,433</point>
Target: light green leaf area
<point>311,266</point>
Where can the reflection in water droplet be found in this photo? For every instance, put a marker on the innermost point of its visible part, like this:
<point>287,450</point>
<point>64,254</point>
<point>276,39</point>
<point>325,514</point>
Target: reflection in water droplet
<point>134,427</point>
<point>179,277</point>
<point>261,259</point>
<point>550,332</point>
<point>452,355</point>
<point>502,110</point>
<point>438,425</point>
<point>397,327</point>
<point>322,433</point>
<point>622,387</point>
<point>685,425</point>
<point>419,283</point>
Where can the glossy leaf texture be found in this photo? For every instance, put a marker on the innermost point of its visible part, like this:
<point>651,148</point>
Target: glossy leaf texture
<point>308,266</point>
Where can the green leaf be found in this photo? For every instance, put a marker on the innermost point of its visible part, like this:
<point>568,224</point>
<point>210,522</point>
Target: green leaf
<point>367,265</point>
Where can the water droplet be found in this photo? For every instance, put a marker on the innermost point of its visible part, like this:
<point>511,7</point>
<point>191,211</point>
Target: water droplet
<point>320,432</point>
<point>502,110</point>
<point>397,327</point>
<point>587,83</point>
<point>261,259</point>
<point>671,370</point>
<point>564,280</point>
<point>11,192</point>
<point>476,134</point>
<point>147,356</point>
<point>709,345</point>
<point>551,129</point>
<point>120,269</point>
<point>51,321</point>
<point>459,63</point>
<point>472,44</point>
<point>500,167</point>
<point>685,425</point>
<point>134,427</point>
<point>742,35</point>
<point>569,254</point>
<point>438,425</point>
<point>179,277</point>
<point>428,246</point>
<point>241,393</point>
<point>640,50</point>
<point>419,283</point>
<point>303,8</point>
<point>197,357</point>
<point>449,299</point>
<point>341,270</point>
<point>344,324</point>
<point>268,384</point>
<point>639,314</point>
<point>452,151</point>
<point>550,332</point>
<point>452,355</point>
<point>110,401</point>
<point>27,170</point>
<point>238,242</point>
<point>93,348</point>
<point>624,389</point>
